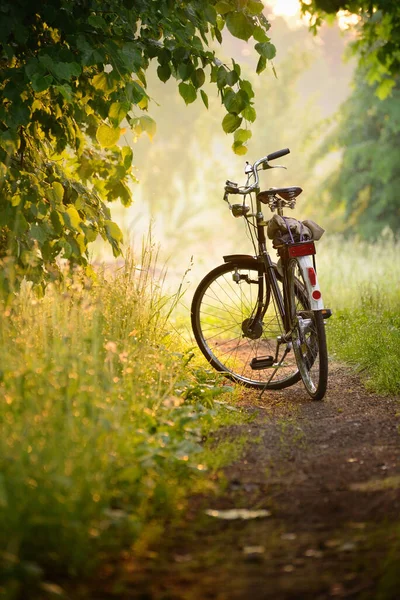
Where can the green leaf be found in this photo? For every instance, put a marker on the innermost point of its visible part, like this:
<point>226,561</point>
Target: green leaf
<point>34,67</point>
<point>38,233</point>
<point>65,91</point>
<point>198,78</point>
<point>255,7</point>
<point>118,111</point>
<point>9,141</point>
<point>64,70</point>
<point>56,192</point>
<point>249,114</point>
<point>90,234</point>
<point>120,190</point>
<point>236,67</point>
<point>188,92</point>
<point>97,22</point>
<point>210,14</point>
<point>148,125</point>
<point>259,34</point>
<point>132,56</point>
<point>57,221</point>
<point>239,25</point>
<point>107,136</point>
<point>222,75</point>
<point>266,49</point>
<point>204,97</point>
<point>230,123</point>
<point>72,219</point>
<point>164,72</point>
<point>103,82</point>
<point>232,77</point>
<point>135,92</point>
<point>114,236</point>
<point>218,28</point>
<point>223,7</point>
<point>239,149</point>
<point>66,248</point>
<point>247,87</point>
<point>261,65</point>
<point>242,135</point>
<point>127,156</point>
<point>235,102</point>
<point>41,83</point>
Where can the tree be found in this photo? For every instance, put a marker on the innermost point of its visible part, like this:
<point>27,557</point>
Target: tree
<point>365,185</point>
<point>378,35</point>
<point>72,76</point>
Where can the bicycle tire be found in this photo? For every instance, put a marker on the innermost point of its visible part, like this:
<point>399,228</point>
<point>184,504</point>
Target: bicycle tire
<point>308,339</point>
<point>220,313</point>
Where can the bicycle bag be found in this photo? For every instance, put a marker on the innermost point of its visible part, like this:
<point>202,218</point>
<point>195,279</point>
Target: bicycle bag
<point>286,230</point>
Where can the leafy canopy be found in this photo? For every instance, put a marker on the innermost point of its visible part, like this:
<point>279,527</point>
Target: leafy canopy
<point>72,78</point>
<point>378,35</point>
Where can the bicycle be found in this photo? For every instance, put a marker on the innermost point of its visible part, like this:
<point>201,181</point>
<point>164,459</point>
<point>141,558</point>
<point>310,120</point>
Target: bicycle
<point>259,323</point>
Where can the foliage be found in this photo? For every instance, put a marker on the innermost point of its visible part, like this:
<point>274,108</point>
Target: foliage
<point>72,77</point>
<point>98,445</point>
<point>366,182</point>
<point>378,35</point>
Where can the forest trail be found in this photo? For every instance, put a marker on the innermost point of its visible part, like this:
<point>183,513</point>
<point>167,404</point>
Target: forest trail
<point>329,475</point>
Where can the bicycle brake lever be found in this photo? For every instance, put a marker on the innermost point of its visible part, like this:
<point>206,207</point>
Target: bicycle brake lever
<point>268,166</point>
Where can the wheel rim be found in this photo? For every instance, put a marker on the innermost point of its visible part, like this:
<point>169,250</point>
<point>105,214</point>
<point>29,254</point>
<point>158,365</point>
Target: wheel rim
<point>232,334</point>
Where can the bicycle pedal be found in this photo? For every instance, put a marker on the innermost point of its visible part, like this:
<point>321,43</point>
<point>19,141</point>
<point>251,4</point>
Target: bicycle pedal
<point>326,313</point>
<point>262,363</point>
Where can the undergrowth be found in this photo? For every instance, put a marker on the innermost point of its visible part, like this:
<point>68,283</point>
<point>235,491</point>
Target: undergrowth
<point>101,419</point>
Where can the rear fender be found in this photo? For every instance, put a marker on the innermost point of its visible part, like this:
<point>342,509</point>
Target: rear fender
<point>311,281</point>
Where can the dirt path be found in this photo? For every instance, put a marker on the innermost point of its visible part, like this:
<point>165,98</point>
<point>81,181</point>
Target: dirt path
<point>328,473</point>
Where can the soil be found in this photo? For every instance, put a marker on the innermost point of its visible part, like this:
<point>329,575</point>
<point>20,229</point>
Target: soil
<point>328,473</point>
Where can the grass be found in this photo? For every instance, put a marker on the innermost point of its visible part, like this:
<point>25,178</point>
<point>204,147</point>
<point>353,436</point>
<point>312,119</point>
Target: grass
<point>369,339</point>
<point>361,283</point>
<point>101,424</point>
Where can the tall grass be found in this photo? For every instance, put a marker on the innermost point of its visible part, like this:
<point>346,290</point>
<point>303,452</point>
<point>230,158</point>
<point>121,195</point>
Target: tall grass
<point>97,445</point>
<point>361,282</point>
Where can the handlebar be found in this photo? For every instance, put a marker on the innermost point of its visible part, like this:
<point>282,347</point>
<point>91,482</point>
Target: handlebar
<point>278,154</point>
<point>233,188</point>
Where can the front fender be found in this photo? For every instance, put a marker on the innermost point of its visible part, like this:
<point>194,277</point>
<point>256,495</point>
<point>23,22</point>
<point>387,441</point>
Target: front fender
<point>234,257</point>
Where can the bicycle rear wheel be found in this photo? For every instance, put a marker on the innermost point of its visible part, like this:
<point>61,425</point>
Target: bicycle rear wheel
<point>308,338</point>
<point>237,333</point>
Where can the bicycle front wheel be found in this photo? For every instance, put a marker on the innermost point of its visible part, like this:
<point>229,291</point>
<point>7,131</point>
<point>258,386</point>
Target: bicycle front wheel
<point>308,338</point>
<point>236,324</point>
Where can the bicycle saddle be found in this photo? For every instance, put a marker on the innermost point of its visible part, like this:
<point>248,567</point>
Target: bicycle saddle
<point>285,193</point>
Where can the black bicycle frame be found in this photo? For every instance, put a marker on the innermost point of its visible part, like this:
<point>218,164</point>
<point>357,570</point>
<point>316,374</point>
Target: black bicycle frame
<point>270,276</point>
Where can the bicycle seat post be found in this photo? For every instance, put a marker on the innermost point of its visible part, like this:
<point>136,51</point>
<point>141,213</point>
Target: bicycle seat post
<point>279,207</point>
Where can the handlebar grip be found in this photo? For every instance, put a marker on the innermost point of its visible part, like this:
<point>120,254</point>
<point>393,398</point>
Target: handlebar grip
<point>278,154</point>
